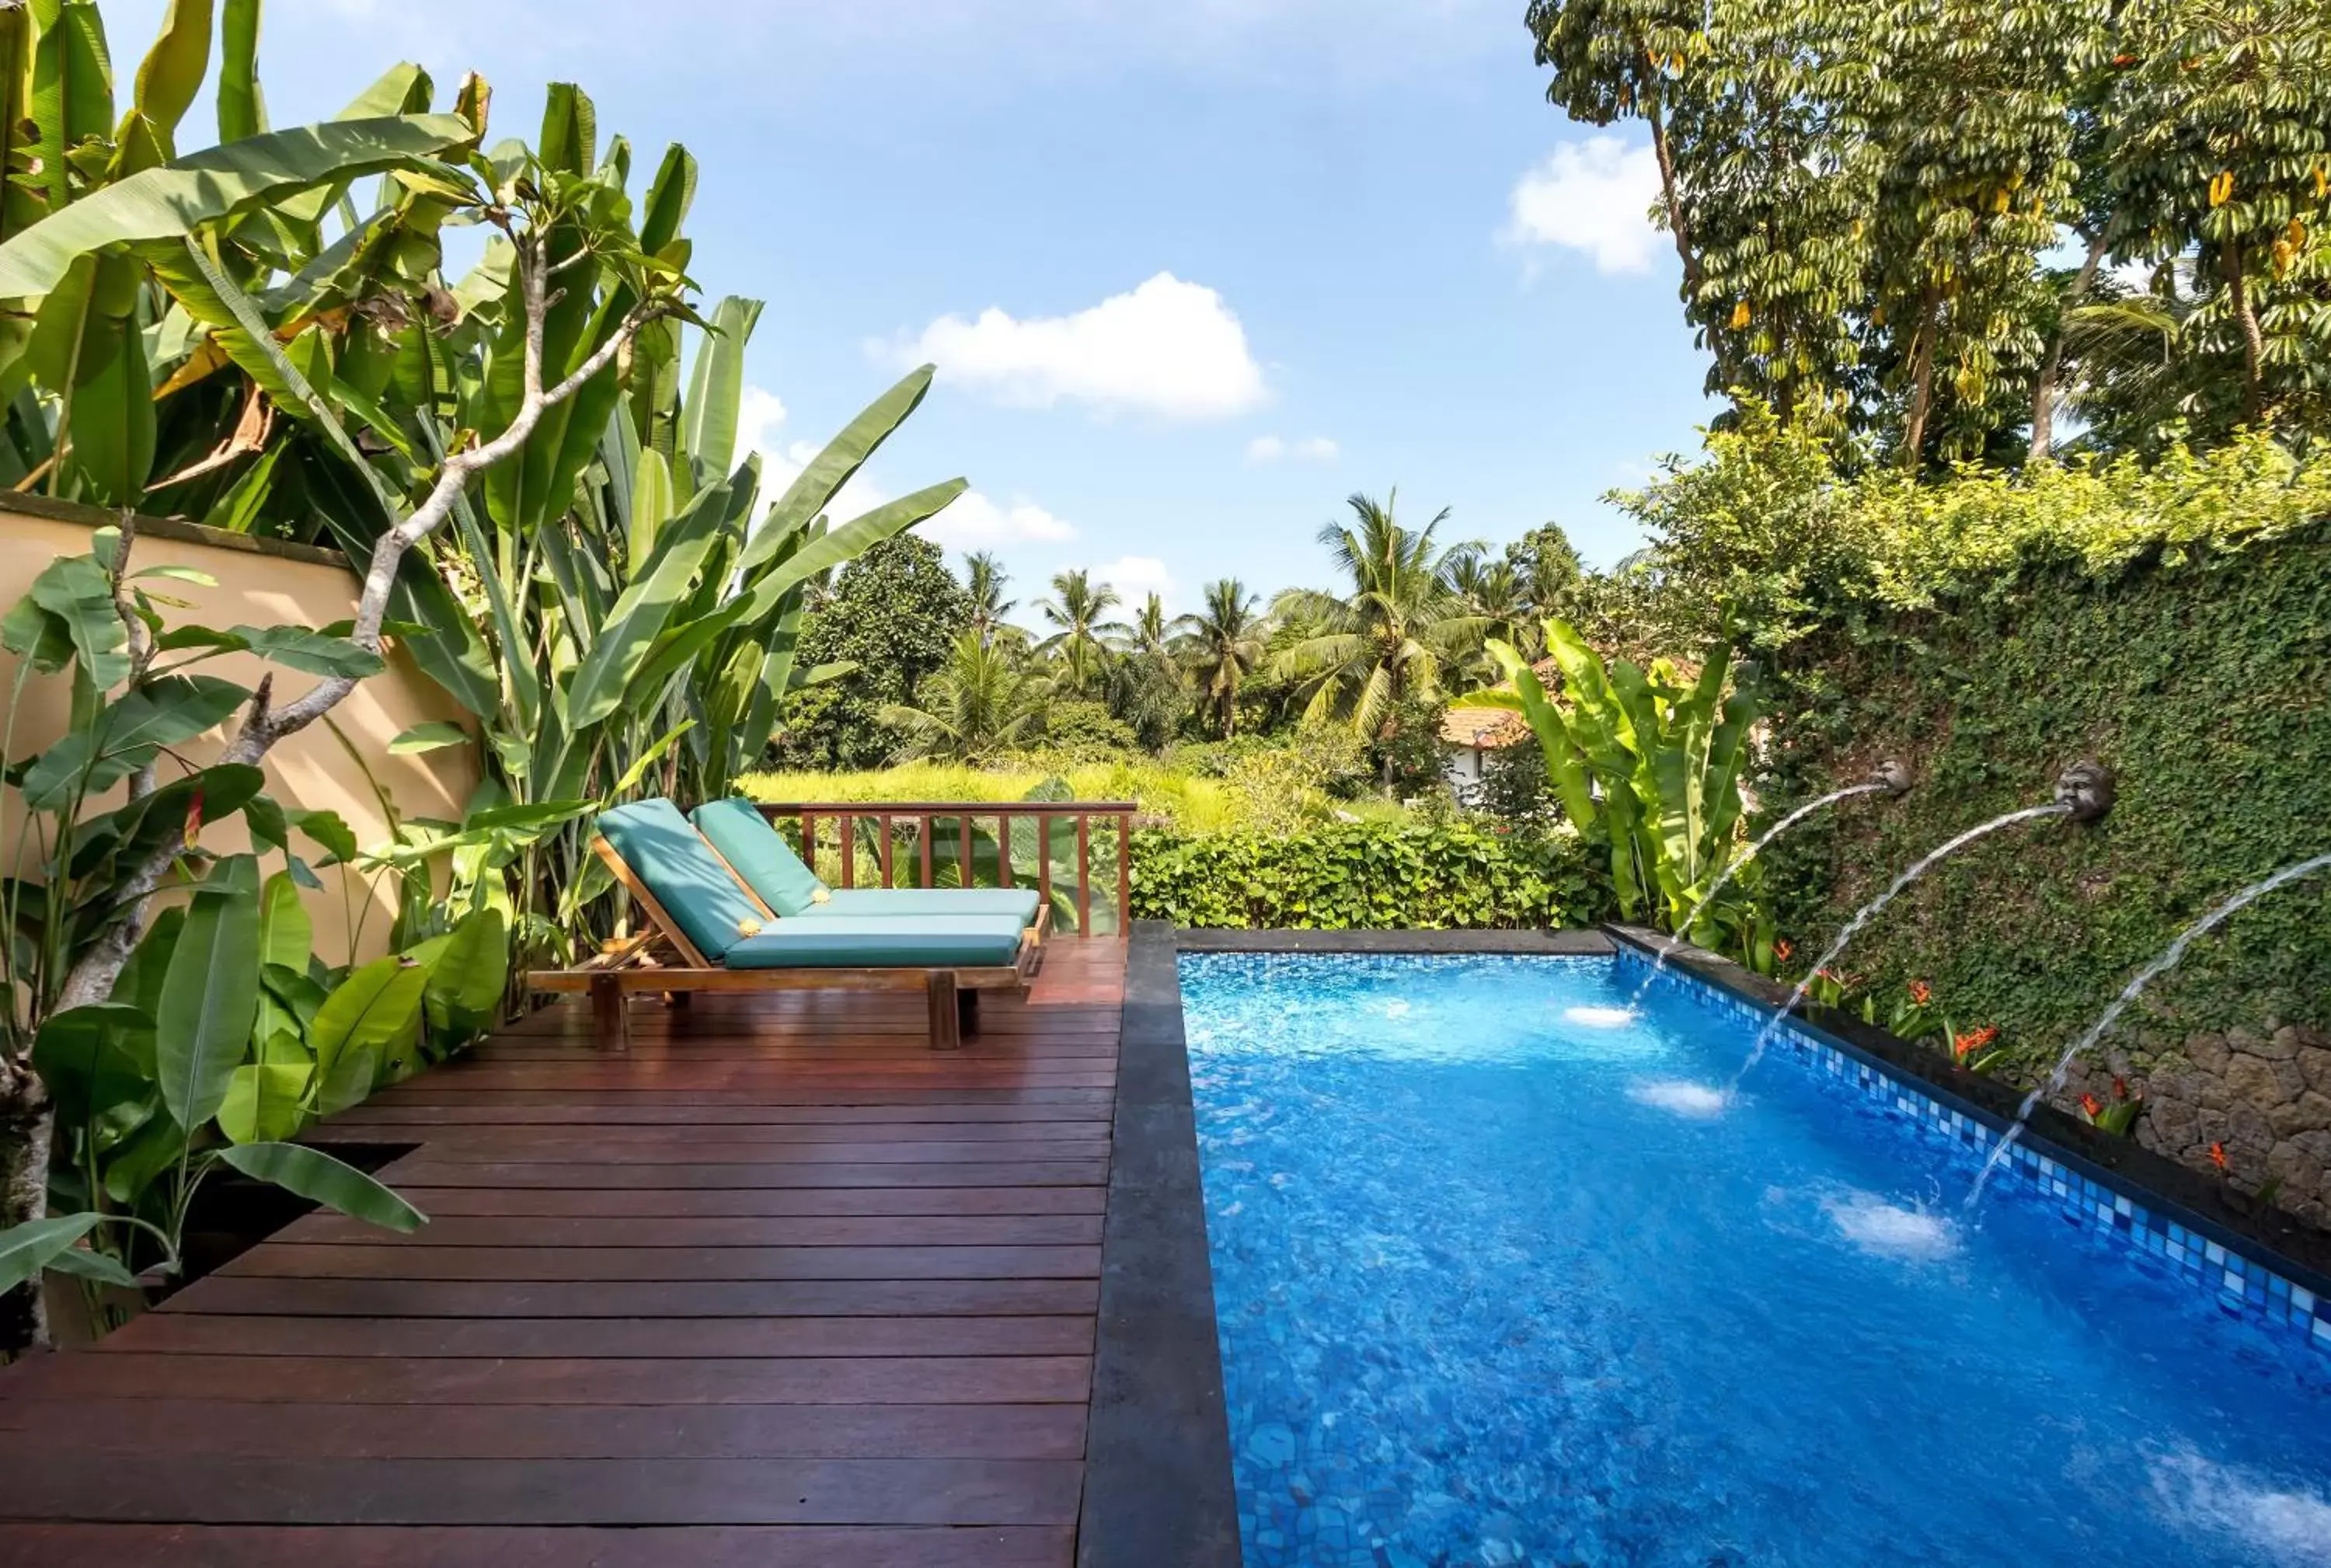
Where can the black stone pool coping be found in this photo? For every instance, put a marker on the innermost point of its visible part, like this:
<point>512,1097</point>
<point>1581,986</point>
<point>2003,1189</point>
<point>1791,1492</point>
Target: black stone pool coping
<point>1158,1489</point>
<point>2212,1208</point>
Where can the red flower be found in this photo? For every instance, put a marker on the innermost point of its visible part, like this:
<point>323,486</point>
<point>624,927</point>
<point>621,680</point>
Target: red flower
<point>2217,1155</point>
<point>2120,1087</point>
<point>194,818</point>
<point>1783,949</point>
<point>2090,1103</point>
<point>1921,993</point>
<point>1972,1040</point>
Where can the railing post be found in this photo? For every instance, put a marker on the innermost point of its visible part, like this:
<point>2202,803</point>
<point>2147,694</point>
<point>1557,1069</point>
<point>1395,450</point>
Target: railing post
<point>849,849</point>
<point>927,820</point>
<point>963,877</point>
<point>1084,874</point>
<point>809,841</point>
<point>1124,874</point>
<point>886,850</point>
<point>1003,850</point>
<point>1043,860</point>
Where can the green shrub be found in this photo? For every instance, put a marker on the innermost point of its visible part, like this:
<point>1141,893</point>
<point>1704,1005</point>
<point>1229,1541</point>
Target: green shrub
<point>1367,876</point>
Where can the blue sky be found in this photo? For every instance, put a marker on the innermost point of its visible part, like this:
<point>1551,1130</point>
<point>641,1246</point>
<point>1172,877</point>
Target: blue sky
<point>1192,273</point>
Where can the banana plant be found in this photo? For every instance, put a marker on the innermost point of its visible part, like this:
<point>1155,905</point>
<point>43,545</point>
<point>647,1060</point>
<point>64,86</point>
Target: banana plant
<point>108,343</point>
<point>1642,761</point>
<point>182,1066</point>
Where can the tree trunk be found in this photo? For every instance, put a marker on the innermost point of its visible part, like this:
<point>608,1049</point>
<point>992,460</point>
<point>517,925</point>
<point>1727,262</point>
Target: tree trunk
<point>1922,384</point>
<point>2253,340</point>
<point>1679,225</point>
<point>26,1126</point>
<point>2043,391</point>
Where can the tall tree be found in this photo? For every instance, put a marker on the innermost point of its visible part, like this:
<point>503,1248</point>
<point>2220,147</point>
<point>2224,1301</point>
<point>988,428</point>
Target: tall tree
<point>894,614</point>
<point>1080,639</point>
<point>1221,644</point>
<point>1391,634</point>
<point>1145,690</point>
<point>2219,149</point>
<point>984,579</point>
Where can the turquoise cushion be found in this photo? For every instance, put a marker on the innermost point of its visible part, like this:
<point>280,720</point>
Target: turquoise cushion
<point>1014,903</point>
<point>846,942</point>
<point>766,862</point>
<point>684,876</point>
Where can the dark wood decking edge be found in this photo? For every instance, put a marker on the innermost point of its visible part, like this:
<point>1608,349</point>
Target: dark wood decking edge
<point>1158,1492</point>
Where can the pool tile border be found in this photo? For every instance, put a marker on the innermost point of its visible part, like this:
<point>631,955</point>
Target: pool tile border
<point>2241,1277</point>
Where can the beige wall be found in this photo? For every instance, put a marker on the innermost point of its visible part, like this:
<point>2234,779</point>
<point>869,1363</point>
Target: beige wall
<point>261,585</point>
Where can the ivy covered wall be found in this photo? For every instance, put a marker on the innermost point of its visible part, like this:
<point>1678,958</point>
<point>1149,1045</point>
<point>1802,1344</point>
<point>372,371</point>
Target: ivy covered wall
<point>2205,682</point>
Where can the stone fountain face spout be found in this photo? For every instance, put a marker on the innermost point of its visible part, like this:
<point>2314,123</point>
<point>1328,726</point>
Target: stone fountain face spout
<point>1893,776</point>
<point>2088,789</point>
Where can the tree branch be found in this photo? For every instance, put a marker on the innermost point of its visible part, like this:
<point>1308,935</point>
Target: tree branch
<point>264,723</point>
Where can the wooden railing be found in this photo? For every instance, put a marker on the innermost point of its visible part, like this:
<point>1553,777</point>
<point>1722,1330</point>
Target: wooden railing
<point>946,844</point>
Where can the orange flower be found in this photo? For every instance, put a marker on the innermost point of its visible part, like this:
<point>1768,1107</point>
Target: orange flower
<point>1783,949</point>
<point>1921,993</point>
<point>2217,1155</point>
<point>1972,1040</point>
<point>2120,1087</point>
<point>2090,1103</point>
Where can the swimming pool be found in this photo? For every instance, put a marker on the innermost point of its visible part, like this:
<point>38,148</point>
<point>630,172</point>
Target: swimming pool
<point>1501,1279</point>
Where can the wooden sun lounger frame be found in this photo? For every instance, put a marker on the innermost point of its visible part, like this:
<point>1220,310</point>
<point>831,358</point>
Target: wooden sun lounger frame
<point>662,959</point>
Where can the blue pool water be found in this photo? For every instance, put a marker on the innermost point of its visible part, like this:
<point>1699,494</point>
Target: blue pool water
<point>1498,1285</point>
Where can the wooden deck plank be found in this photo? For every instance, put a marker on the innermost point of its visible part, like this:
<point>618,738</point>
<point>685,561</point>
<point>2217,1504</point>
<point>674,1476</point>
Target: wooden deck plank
<point>414,1258</point>
<point>872,1231</point>
<point>304,1547</point>
<point>420,1171</point>
<point>170,1426</point>
<point>233,1296</point>
<point>581,1339</point>
<point>196,1488</point>
<point>749,1202</point>
<point>400,1379</point>
<point>778,1284</point>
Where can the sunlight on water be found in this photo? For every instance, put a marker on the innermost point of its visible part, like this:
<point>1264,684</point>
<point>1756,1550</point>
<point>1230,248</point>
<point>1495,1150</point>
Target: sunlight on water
<point>1685,1100</point>
<point>1601,1017</point>
<point>1875,1225</point>
<point>1396,1010</point>
<point>2201,1496</point>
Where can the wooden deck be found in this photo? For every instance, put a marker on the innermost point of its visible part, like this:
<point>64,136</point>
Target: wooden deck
<point>781,1285</point>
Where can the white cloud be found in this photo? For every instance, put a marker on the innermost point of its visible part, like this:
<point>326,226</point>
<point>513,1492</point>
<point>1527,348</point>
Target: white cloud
<point>1271,448</point>
<point>1592,197</point>
<point>1168,347</point>
<point>974,522</point>
<point>1135,577</point>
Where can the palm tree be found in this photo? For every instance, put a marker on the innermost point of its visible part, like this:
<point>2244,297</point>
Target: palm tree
<point>1391,636</point>
<point>1076,610</point>
<point>1492,592</point>
<point>1144,685</point>
<point>974,705</point>
<point>1221,645</point>
<point>984,576</point>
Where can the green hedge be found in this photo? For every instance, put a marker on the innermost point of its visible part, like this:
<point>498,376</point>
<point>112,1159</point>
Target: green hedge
<point>2203,679</point>
<point>1366,876</point>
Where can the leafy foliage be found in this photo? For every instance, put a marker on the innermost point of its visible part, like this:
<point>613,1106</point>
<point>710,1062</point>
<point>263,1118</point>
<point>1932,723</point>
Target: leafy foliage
<point>1867,200</point>
<point>1365,876</point>
<point>894,614</point>
<point>2197,674</point>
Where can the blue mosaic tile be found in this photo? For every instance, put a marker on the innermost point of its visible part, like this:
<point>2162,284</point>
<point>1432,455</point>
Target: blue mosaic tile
<point>2241,1286</point>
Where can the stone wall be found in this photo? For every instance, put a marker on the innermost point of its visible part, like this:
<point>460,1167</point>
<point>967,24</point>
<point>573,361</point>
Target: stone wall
<point>2262,1097</point>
